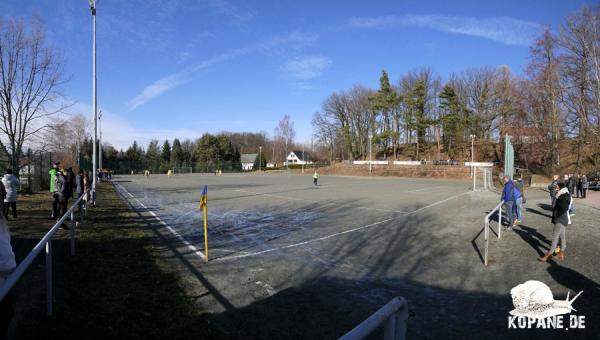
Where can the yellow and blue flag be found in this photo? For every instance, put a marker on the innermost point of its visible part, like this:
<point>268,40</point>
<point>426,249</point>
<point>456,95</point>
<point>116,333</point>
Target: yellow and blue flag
<point>204,197</point>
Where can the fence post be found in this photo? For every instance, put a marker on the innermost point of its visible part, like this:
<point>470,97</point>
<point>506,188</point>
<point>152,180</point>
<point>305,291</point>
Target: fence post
<point>500,221</point>
<point>401,319</point>
<point>49,278</point>
<point>487,242</point>
<point>72,232</point>
<point>389,328</point>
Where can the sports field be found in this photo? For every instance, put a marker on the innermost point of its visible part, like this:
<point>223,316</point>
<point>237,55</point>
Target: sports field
<point>289,259</point>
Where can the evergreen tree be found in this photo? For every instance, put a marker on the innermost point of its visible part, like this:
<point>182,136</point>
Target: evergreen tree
<point>177,155</point>
<point>166,154</point>
<point>260,162</point>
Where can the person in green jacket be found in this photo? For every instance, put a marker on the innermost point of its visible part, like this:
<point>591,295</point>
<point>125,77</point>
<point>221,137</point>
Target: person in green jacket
<point>52,174</point>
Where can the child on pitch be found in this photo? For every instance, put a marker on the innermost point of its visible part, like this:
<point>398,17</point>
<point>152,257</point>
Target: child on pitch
<point>315,177</point>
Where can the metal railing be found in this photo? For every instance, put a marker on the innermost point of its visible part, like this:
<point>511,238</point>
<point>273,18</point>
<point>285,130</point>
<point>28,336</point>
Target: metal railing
<point>393,315</point>
<point>12,279</point>
<point>487,228</point>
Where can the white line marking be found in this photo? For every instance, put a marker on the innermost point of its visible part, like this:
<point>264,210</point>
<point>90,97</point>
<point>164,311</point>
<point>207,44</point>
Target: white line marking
<point>173,231</point>
<point>339,233</point>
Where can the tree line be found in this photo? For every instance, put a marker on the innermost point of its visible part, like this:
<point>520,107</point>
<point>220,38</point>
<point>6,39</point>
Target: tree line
<point>552,110</point>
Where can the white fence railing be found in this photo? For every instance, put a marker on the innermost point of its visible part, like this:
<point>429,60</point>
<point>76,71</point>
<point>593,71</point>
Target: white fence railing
<point>487,228</point>
<point>393,316</point>
<point>45,242</point>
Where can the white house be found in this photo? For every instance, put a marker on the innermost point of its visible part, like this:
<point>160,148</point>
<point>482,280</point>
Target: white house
<point>248,161</point>
<point>297,157</point>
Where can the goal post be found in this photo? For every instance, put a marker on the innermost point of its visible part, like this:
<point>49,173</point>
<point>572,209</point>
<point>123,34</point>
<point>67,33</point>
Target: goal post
<point>482,175</point>
<point>178,170</point>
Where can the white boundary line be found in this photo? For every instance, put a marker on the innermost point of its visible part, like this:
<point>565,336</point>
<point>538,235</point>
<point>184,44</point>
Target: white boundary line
<point>173,231</point>
<point>339,233</point>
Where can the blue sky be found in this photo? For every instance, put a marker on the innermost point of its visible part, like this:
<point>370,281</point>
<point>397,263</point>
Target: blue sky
<point>180,68</point>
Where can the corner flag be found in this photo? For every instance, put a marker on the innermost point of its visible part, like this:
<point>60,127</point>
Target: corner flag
<point>204,197</point>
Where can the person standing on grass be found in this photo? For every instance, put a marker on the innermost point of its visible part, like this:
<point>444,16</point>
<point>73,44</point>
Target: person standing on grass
<point>560,219</point>
<point>62,191</point>
<point>7,265</point>
<point>508,196</point>
<point>584,185</point>
<point>52,174</point>
<point>553,188</point>
<point>315,177</point>
<point>79,187</point>
<point>11,184</point>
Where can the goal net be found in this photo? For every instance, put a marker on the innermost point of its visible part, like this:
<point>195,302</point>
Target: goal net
<point>182,170</point>
<point>482,178</point>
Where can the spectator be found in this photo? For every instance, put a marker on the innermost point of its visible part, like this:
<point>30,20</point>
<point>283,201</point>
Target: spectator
<point>52,174</point>
<point>62,191</point>
<point>79,187</point>
<point>2,197</point>
<point>553,188</point>
<point>7,265</point>
<point>11,184</point>
<point>584,185</point>
<point>579,187</point>
<point>519,199</point>
<point>572,185</point>
<point>560,219</point>
<point>508,196</point>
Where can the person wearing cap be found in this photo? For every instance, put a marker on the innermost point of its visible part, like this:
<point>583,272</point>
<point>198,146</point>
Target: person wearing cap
<point>52,174</point>
<point>561,219</point>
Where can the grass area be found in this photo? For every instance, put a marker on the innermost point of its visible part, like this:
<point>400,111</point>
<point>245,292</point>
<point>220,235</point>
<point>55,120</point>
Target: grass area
<point>115,287</point>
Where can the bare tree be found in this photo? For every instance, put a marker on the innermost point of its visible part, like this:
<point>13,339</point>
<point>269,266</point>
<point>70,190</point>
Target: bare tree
<point>285,133</point>
<point>30,74</point>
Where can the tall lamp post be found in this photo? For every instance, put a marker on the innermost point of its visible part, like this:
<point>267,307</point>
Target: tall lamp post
<point>370,153</point>
<point>100,140</point>
<point>94,100</point>
<point>472,156</point>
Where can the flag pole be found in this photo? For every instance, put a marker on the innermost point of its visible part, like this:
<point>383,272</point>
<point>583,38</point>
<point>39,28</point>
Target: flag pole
<point>206,227</point>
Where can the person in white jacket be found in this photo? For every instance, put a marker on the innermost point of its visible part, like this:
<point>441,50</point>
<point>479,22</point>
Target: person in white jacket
<point>12,184</point>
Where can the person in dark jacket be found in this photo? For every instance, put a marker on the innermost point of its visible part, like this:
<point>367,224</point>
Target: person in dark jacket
<point>553,188</point>
<point>560,219</point>
<point>62,191</point>
<point>79,187</point>
<point>508,196</point>
<point>584,185</point>
<point>579,187</point>
<point>519,201</point>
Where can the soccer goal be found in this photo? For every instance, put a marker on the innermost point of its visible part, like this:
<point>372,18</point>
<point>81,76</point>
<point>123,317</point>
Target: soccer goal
<point>482,178</point>
<point>182,170</point>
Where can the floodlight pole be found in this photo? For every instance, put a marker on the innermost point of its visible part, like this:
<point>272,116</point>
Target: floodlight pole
<point>370,154</point>
<point>100,140</point>
<point>259,158</point>
<point>472,158</point>
<point>303,158</point>
<point>94,100</point>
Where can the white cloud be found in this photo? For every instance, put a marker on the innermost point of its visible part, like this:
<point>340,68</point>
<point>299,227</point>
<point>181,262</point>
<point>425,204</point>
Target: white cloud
<point>226,9</point>
<point>307,67</point>
<point>294,40</point>
<point>507,30</point>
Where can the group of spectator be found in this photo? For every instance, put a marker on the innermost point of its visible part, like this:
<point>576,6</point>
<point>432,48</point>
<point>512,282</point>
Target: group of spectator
<point>64,185</point>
